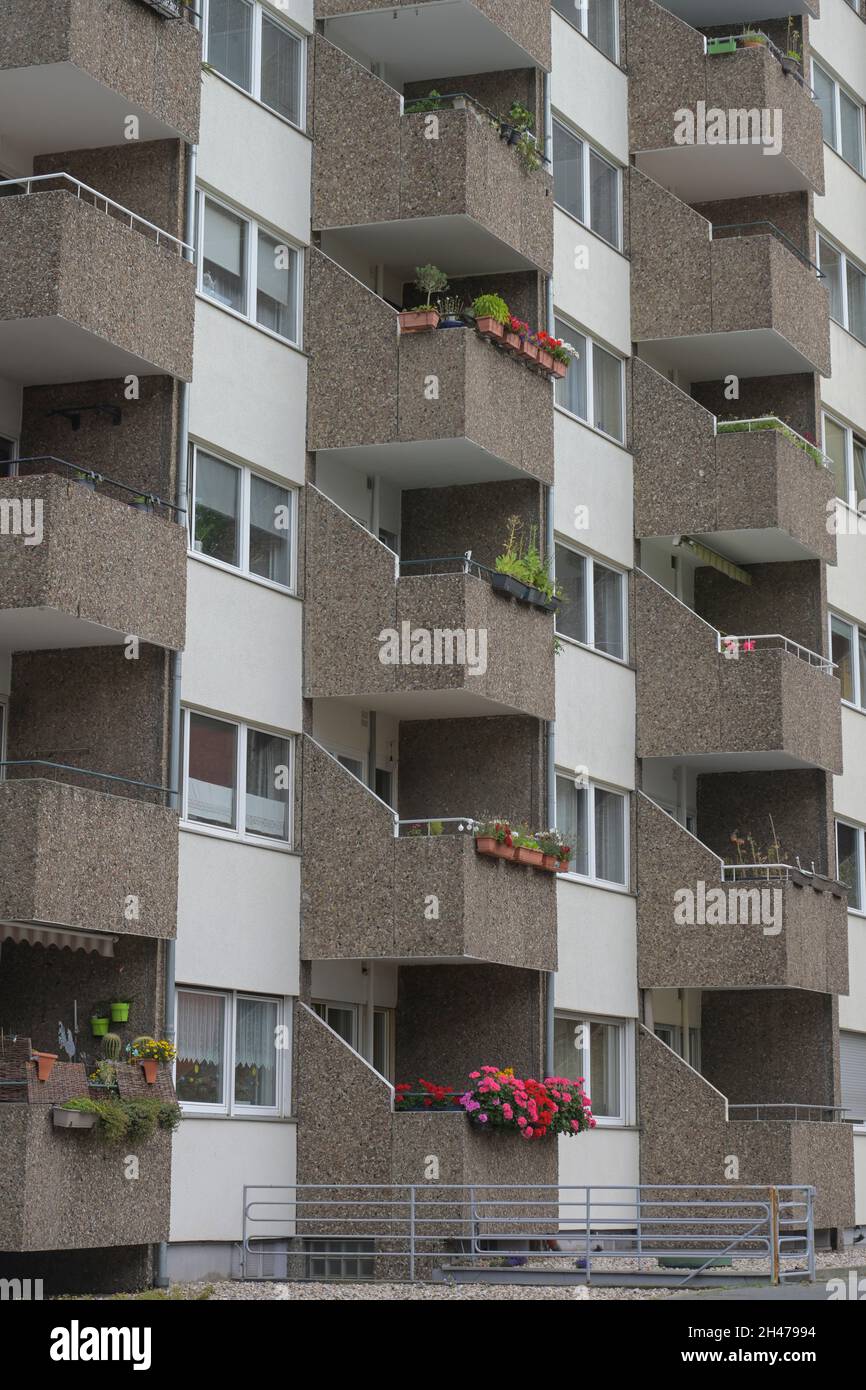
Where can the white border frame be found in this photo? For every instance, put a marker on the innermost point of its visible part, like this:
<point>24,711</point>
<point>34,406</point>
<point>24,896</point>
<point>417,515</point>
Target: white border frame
<point>625,1031</point>
<point>243,517</point>
<point>592,878</point>
<point>254,225</point>
<point>229,1106</point>
<point>861,860</point>
<point>588,148</point>
<point>254,93</point>
<point>591,561</point>
<point>591,344</point>
<point>236,832</point>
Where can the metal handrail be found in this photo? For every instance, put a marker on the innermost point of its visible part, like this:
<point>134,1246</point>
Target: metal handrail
<point>83,772</point>
<point>777,53</point>
<point>466,563</point>
<point>730,872</point>
<point>478,105</point>
<point>746,643</point>
<point>26,181</point>
<point>834,1111</point>
<point>424,827</point>
<point>152,497</point>
<point>738,227</point>
<point>761,423</point>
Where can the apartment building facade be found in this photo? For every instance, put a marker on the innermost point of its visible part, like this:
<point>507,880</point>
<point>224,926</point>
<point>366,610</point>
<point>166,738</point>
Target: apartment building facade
<point>239,789</point>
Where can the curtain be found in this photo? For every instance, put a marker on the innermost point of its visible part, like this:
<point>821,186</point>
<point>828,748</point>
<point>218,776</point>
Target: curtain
<point>270,542</point>
<point>607,587</point>
<point>825,98</point>
<point>571,575</point>
<point>571,389</point>
<point>281,70</point>
<point>254,1037</point>
<point>267,803</point>
<point>200,1022</point>
<point>230,40</point>
<point>567,170</point>
<point>841,645</point>
<point>852,1065</point>
<point>607,391</point>
<point>276,265</point>
<point>609,836</point>
<point>831,265</point>
<point>834,448</point>
<point>602,26</point>
<point>603,199</point>
<point>857,302</point>
<point>603,1078</point>
<point>850,142</point>
<point>572,821</point>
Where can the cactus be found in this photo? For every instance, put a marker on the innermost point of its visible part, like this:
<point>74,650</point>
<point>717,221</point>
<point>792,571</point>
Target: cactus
<point>112,1046</point>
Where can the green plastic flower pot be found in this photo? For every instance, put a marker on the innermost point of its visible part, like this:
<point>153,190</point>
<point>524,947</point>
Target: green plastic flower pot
<point>99,1027</point>
<point>119,1013</point>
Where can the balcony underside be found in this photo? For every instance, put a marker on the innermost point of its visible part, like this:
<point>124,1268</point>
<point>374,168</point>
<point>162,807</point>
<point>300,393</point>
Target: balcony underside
<point>759,760</point>
<point>706,173</point>
<point>747,547</point>
<point>421,703</point>
<point>47,629</point>
<point>458,242</point>
<point>46,351</point>
<point>702,13</point>
<point>708,356</point>
<point>427,463</point>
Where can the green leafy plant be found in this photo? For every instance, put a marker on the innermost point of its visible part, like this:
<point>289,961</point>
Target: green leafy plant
<point>771,422</point>
<point>522,560</point>
<point>430,280</point>
<point>528,152</point>
<point>491,306</point>
<point>523,838</point>
<point>134,1119</point>
<point>434,101</point>
<point>520,116</point>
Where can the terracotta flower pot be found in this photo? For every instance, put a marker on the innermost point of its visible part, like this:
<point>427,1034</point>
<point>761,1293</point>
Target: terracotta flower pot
<point>549,863</point>
<point>149,1066</point>
<point>490,328</point>
<point>559,368</point>
<point>485,844</point>
<point>44,1064</point>
<point>545,360</point>
<point>530,856</point>
<point>512,341</point>
<point>563,866</point>
<point>414,321</point>
<point>505,851</point>
<point>530,351</point>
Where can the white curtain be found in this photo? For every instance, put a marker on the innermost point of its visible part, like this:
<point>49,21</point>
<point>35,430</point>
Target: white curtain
<point>200,1022</point>
<point>254,1042</point>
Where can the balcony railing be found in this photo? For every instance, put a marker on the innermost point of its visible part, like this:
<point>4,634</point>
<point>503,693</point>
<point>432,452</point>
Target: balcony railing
<point>458,101</point>
<point>719,231</point>
<point>38,464</point>
<point>447,825</point>
<point>789,1111</point>
<point>65,182</point>
<point>772,422</point>
<point>732,646</point>
<point>54,772</point>
<point>719,45</point>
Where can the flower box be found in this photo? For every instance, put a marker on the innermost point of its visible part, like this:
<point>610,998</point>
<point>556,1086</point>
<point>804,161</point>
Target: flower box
<point>513,342</point>
<point>73,1119</point>
<point>550,863</point>
<point>559,369</point>
<point>490,328</point>
<point>485,844</point>
<point>418,321</point>
<point>507,584</point>
<point>530,856</point>
<point>506,852</point>
<point>545,360</point>
<point>530,351</point>
<point>716,46</point>
<point>563,866</point>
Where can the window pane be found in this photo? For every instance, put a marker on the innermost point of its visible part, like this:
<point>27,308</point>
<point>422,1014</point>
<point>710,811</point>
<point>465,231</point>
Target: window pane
<point>212,764</point>
<point>217,487</point>
<point>831,263</point>
<point>602,26</point>
<point>571,10</point>
<point>847,849</point>
<point>200,1047</point>
<point>267,808</point>
<point>230,40</point>
<point>567,170</point>
<point>858,453</point>
<point>380,1042</point>
<point>275,286</point>
<point>603,198</point>
<point>571,389</point>
<point>568,1041</point>
<point>842,649</point>
<point>571,574</point>
<point>604,1082</point>
<point>607,605</point>
<point>270,531</point>
<point>255,1052</point>
<point>861,646</point>
<point>607,391</point>
<point>224,257</point>
<point>281,70</point>
<point>341,1020</point>
<point>609,836</point>
<point>856,302</point>
<point>825,97</point>
<point>850,133</point>
<point>834,448</point>
<point>572,821</point>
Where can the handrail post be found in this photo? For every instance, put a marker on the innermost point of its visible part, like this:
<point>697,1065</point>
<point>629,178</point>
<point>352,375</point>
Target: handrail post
<point>412,1234</point>
<point>774,1230</point>
<point>588,1243</point>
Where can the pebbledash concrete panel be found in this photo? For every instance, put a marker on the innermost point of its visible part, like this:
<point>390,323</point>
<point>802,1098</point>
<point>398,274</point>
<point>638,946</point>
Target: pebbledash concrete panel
<point>370,385</point>
<point>689,480</point>
<point>86,296</point>
<point>359,621</point>
<point>367,893</point>
<point>687,285</point>
<point>671,73</point>
<point>109,60</point>
<point>694,700</point>
<point>98,562</point>
<point>524,22</point>
<point>87,859</point>
<point>376,165</point>
<point>760,933</point>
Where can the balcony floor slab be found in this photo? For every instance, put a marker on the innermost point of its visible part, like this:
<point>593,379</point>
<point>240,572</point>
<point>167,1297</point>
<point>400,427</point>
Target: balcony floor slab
<point>459,242</point>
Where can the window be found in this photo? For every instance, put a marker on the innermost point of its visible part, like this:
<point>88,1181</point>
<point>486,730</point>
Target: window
<point>848,452</point>
<point>597,19</point>
<point>850,862</point>
<point>846,286</point>
<point>583,179</point>
<point>852,1069</point>
<point>848,650</point>
<point>257,53</point>
<point>671,1035</point>
<point>593,1049</point>
<point>264,287</point>
<point>346,1021</point>
<point>8,452</point>
<point>594,610</point>
<point>229,1051</point>
<point>842,117</point>
<point>242,520</point>
<point>592,388</point>
<point>237,779</point>
<point>593,822</point>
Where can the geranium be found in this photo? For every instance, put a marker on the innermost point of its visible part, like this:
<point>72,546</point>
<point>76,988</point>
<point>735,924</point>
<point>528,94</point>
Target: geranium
<point>529,1107</point>
<point>425,1095</point>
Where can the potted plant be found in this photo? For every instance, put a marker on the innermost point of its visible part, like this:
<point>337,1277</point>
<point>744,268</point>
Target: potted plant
<point>564,859</point>
<point>120,1010</point>
<point>752,38</point>
<point>528,848</point>
<point>716,46</point>
<point>491,315</point>
<point>550,844</point>
<point>150,1053</point>
<point>494,837</point>
<point>515,332</point>
<point>430,280</point>
<point>81,1113</point>
<point>99,1020</point>
<point>793,59</point>
<point>451,311</point>
<point>44,1064</point>
<point>563,355</point>
<point>517,123</point>
<point>544,343</point>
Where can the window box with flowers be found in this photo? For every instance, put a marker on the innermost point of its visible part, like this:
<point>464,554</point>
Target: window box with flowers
<point>497,1100</point>
<point>542,849</point>
<point>522,572</point>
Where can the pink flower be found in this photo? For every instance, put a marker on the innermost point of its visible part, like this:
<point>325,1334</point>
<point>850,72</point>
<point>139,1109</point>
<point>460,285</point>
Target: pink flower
<point>507,1111</point>
<point>521,1120</point>
<point>566,1096</point>
<point>482,1119</point>
<point>474,1075</point>
<point>575,1126</point>
<point>529,1131</point>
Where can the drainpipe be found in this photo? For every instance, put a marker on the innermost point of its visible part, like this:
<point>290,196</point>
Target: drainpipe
<point>550,734</point>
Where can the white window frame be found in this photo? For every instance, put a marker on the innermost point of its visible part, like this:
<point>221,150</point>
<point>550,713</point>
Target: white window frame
<point>359,1018</point>
<point>229,1105</point>
<point>238,832</point>
<point>591,561</point>
<point>851,500</point>
<point>861,1127</point>
<point>586,185</point>
<point>837,117</point>
<point>861,859</point>
<point>623,1027</point>
<point>581,24</point>
<point>590,383</point>
<point>243,521</point>
<point>844,260</point>
<point>256,60</point>
<point>251,251</point>
<point>857,630</point>
<point>590,785</point>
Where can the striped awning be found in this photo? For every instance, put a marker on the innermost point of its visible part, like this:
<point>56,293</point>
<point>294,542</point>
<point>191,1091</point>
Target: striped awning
<point>713,559</point>
<point>64,938</point>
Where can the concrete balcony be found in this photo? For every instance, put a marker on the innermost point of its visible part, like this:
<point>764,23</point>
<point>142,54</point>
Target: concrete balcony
<point>90,290</point>
<point>701,302</point>
<point>754,494</point>
<point>702,13</point>
<point>72,73</point>
<point>422,409</point>
<point>417,39</point>
<point>744,702</point>
<point>783,930</point>
<point>366,890</point>
<point>494,655</point>
<point>86,859</point>
<point>92,570</point>
<point>689,1132</point>
<point>463,200</point>
<point>673,73</point>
